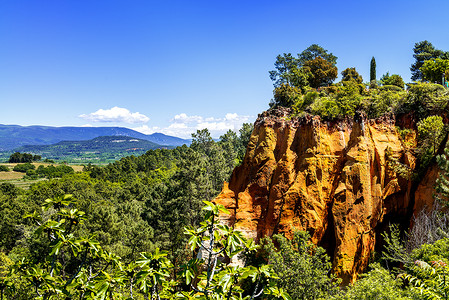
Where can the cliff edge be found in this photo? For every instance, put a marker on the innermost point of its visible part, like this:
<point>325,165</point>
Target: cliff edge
<point>337,180</point>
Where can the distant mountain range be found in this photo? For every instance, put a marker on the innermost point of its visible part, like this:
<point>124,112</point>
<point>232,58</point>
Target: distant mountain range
<point>15,136</point>
<point>116,145</point>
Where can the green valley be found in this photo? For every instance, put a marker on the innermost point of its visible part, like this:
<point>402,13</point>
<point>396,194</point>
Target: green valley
<point>102,149</point>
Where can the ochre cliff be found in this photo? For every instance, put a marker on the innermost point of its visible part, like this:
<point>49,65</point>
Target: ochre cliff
<point>337,180</point>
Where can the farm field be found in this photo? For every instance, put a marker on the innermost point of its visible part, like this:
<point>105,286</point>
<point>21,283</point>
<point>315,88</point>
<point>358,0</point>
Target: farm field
<point>16,178</point>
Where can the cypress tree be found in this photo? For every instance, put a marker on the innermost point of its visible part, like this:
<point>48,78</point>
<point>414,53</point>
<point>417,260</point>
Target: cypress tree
<point>372,74</point>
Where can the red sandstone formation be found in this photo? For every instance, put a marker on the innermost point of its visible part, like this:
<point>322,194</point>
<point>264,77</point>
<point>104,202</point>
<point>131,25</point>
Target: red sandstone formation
<point>337,180</point>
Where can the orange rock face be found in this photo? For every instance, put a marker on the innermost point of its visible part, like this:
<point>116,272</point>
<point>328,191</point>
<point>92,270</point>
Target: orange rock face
<point>337,180</point>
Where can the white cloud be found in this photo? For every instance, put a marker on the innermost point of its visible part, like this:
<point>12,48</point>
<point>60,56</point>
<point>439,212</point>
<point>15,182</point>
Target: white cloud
<point>145,129</point>
<point>178,126</point>
<point>214,126</point>
<point>117,115</point>
<point>183,118</point>
<point>233,116</point>
<point>183,125</point>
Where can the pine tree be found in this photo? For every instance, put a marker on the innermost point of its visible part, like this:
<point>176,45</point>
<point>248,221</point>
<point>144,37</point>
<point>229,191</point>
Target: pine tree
<point>372,72</point>
<point>423,51</point>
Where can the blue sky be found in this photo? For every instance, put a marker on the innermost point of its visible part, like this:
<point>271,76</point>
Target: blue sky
<point>177,66</point>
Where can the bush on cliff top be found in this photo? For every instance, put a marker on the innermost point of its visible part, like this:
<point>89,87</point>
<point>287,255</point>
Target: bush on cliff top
<point>345,98</point>
<point>425,99</point>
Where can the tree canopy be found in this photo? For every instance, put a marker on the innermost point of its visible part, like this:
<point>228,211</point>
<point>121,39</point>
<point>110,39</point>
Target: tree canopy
<point>314,66</point>
<point>322,72</point>
<point>18,157</point>
<point>285,95</point>
<point>434,70</point>
<point>424,51</point>
<point>393,79</point>
<point>351,74</point>
<point>315,51</point>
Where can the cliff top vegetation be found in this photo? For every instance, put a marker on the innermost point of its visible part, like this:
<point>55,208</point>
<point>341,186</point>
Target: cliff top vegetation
<point>306,84</point>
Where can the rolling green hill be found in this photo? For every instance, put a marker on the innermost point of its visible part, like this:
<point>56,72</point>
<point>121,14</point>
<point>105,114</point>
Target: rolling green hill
<point>104,148</point>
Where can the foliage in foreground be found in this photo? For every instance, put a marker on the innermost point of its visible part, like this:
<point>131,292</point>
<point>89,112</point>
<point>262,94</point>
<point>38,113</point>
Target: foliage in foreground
<point>424,271</point>
<point>303,269</point>
<point>377,284</point>
<point>79,267</point>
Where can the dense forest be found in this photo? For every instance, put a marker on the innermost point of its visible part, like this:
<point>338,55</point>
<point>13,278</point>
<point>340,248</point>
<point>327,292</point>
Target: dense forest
<point>144,227</point>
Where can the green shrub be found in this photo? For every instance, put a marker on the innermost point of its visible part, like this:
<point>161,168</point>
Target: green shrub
<point>392,80</point>
<point>391,88</point>
<point>303,102</point>
<point>326,107</point>
<point>4,168</point>
<point>429,273</point>
<point>433,252</point>
<point>430,134</point>
<point>301,266</point>
<point>377,284</point>
<point>30,172</point>
<point>344,102</point>
<point>349,98</point>
<point>383,102</point>
<point>23,167</point>
<point>53,172</point>
<point>424,265</point>
<point>285,95</point>
<point>327,90</point>
<point>424,99</point>
<point>310,97</point>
